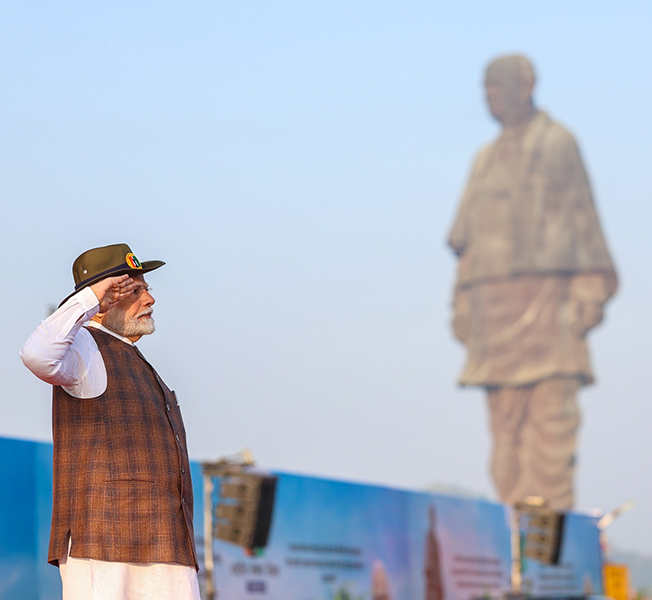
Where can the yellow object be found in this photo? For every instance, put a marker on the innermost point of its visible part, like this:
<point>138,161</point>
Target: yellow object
<point>616,581</point>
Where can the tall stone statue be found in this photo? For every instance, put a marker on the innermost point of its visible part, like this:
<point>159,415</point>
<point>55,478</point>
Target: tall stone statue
<point>533,275</point>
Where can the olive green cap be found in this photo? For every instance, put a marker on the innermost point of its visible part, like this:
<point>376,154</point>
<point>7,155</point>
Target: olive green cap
<point>107,261</point>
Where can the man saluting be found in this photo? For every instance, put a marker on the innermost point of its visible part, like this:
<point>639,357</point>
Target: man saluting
<point>122,501</point>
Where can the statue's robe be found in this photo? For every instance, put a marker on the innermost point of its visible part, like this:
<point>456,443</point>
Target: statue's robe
<point>531,255</point>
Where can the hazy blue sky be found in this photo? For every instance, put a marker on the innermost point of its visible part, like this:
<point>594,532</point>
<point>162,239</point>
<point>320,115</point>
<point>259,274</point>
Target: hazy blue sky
<point>298,164</point>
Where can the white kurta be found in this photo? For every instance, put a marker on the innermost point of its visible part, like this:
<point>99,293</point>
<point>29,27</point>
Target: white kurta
<point>61,352</point>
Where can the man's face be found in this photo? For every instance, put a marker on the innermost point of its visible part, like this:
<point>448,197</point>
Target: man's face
<point>508,96</point>
<point>132,316</point>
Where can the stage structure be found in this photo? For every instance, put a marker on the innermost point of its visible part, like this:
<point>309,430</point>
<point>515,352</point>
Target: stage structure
<point>326,539</point>
<point>299,538</point>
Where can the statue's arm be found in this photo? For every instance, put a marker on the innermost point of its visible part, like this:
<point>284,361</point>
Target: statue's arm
<point>458,240</point>
<point>595,280</point>
<point>573,206</point>
<point>458,235</point>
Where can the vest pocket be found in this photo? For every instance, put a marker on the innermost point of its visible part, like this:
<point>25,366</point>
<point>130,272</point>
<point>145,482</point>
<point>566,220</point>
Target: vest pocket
<point>130,512</point>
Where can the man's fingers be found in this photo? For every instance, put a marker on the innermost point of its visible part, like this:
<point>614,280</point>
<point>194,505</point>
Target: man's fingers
<point>122,283</point>
<point>126,287</point>
<point>111,290</point>
<point>117,281</point>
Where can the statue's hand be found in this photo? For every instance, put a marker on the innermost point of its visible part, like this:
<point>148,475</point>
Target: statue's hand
<point>461,321</point>
<point>460,327</point>
<point>588,293</point>
<point>586,316</point>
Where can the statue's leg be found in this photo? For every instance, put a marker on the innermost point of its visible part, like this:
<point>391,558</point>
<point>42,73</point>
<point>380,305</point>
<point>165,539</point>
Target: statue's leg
<point>507,410</point>
<point>549,440</point>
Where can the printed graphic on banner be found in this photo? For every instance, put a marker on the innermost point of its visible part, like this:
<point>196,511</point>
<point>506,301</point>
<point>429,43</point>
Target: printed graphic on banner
<point>334,540</point>
<point>579,570</point>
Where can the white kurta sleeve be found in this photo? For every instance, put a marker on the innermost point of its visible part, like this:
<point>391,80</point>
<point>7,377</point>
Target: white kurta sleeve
<point>61,352</point>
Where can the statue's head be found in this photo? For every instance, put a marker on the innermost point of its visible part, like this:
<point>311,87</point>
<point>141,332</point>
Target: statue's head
<point>509,81</point>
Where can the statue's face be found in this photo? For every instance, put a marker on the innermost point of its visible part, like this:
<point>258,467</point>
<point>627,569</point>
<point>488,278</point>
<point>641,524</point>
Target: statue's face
<point>508,96</point>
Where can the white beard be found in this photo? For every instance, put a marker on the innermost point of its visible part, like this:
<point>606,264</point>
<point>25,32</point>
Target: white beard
<point>116,320</point>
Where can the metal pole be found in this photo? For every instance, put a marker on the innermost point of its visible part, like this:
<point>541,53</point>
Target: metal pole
<point>208,537</point>
<point>516,550</point>
<point>225,466</point>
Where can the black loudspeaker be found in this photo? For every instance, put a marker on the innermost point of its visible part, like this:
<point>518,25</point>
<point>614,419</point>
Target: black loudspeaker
<point>545,531</point>
<point>245,508</point>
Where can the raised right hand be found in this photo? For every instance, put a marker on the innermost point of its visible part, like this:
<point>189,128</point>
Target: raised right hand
<point>111,290</point>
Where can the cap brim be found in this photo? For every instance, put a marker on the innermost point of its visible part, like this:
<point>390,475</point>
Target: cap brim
<point>148,265</point>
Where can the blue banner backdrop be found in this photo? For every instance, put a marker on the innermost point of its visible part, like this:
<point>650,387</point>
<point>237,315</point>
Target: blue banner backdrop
<point>329,540</point>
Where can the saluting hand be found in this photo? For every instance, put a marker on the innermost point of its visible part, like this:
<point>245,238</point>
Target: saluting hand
<point>111,290</point>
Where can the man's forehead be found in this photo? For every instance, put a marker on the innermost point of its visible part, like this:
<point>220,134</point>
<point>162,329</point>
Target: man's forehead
<point>509,70</point>
<point>501,75</point>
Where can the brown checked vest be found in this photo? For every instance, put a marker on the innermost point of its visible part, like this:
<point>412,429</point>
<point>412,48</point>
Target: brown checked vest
<point>122,487</point>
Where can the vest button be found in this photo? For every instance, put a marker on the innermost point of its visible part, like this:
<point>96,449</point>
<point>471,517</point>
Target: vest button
<point>183,501</point>
<point>177,436</point>
<point>167,406</point>
<point>183,470</point>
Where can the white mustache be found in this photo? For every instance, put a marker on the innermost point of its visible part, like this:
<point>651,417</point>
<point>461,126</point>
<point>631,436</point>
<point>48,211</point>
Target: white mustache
<point>147,311</point>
